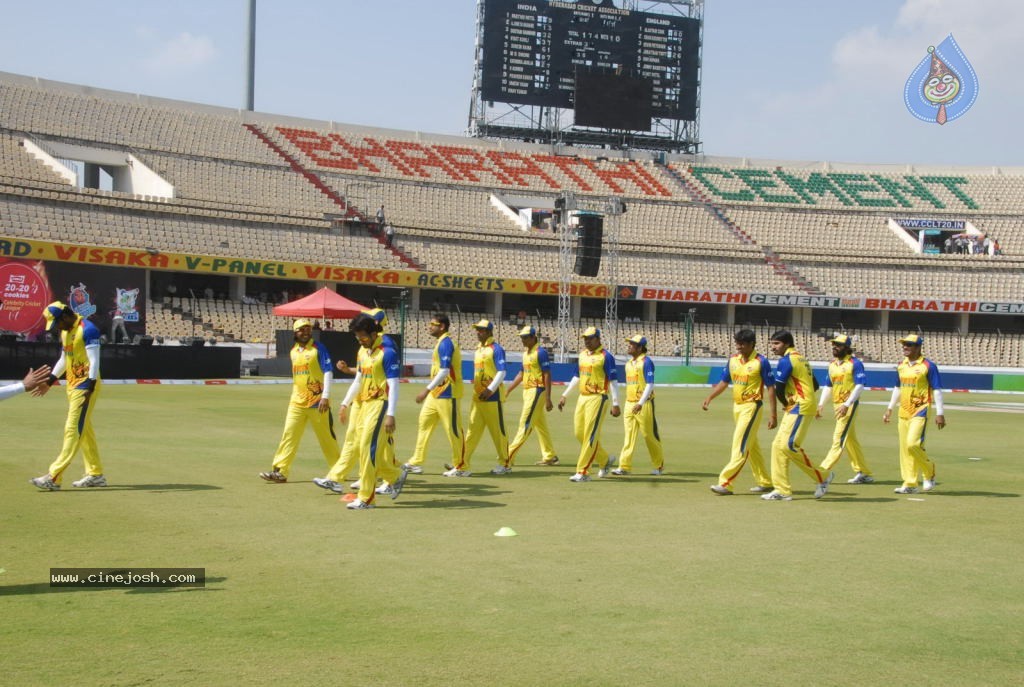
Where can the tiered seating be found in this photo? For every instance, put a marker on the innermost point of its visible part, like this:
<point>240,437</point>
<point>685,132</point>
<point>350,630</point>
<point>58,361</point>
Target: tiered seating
<point>244,185</point>
<point>16,164</point>
<point>53,220</point>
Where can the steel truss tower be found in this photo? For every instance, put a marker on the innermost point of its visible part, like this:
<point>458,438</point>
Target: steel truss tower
<point>552,125</point>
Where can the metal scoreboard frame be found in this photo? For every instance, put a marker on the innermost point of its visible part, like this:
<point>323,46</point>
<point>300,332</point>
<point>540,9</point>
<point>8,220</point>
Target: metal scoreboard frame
<point>522,85</point>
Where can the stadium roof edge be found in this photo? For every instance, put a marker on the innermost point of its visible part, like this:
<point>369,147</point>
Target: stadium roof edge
<point>246,117</point>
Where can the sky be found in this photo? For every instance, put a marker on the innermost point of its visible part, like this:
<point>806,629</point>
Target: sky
<point>783,80</point>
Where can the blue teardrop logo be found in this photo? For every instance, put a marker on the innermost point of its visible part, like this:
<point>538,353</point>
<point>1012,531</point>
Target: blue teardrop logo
<point>943,86</point>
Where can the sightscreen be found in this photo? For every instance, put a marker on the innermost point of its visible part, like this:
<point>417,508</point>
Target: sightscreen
<point>532,49</point>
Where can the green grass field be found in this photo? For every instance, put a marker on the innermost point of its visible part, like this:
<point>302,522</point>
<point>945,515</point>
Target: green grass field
<point>640,581</point>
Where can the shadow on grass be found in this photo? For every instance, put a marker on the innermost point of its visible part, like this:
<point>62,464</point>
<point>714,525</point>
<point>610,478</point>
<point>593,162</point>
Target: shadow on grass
<point>856,499</point>
<point>147,487</point>
<point>45,588</point>
<point>453,502</point>
<point>995,494</point>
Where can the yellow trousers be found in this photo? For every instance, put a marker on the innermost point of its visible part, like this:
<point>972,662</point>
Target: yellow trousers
<point>788,447</point>
<point>643,424</point>
<point>745,446</point>
<point>444,411</point>
<point>376,448</point>
<point>294,426</point>
<point>78,433</point>
<point>489,415</point>
<point>587,423</point>
<point>533,417</point>
<point>845,437</point>
<point>913,459</point>
<point>349,455</point>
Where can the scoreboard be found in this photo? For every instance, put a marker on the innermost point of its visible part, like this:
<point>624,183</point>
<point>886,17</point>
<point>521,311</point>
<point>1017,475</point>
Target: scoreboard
<point>532,49</point>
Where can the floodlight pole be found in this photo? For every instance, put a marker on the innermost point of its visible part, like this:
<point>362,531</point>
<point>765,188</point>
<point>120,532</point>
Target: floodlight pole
<point>250,59</point>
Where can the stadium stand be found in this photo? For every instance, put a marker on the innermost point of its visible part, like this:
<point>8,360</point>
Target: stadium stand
<point>274,188</point>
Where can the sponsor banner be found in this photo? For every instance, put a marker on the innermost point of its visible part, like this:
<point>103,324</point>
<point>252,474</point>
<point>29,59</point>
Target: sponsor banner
<point>177,262</point>
<point>38,251</point>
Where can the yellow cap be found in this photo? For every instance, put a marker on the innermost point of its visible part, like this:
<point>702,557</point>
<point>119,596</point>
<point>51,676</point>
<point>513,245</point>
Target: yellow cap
<point>591,331</point>
<point>52,314</point>
<point>484,324</point>
<point>913,339</point>
<point>379,316</point>
<point>528,330</point>
<point>638,340</point>
<point>841,339</point>
<point>300,323</point>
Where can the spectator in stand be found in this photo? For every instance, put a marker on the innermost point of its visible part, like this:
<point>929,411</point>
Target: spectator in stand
<point>380,218</point>
<point>208,293</point>
<point>389,234</point>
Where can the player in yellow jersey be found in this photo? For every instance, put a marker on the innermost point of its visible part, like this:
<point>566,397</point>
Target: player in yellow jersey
<point>596,378</point>
<point>440,399</point>
<point>349,454</point>
<point>750,374</point>
<point>487,410</point>
<point>309,404</point>
<point>794,386</point>
<point>639,418</point>
<point>374,393</point>
<point>79,362</point>
<point>844,384</point>
<point>536,380</point>
<point>919,387</point>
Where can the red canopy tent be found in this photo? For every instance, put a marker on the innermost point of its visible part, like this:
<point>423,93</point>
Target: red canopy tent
<point>325,304</point>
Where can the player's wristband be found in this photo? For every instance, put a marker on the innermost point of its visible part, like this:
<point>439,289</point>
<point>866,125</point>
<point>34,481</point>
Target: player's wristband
<point>51,380</point>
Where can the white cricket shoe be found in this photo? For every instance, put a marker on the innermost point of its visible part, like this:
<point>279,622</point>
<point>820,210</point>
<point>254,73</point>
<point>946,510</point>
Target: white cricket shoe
<point>760,489</point>
<point>580,477</point>
<point>91,481</point>
<point>905,490</point>
<point>720,490</point>
<point>360,505</point>
<point>455,472</point>
<point>822,488</point>
<point>928,485</point>
<point>501,470</point>
<point>328,484</point>
<point>776,495</point>
<point>45,483</point>
<point>861,478</point>
<point>414,469</point>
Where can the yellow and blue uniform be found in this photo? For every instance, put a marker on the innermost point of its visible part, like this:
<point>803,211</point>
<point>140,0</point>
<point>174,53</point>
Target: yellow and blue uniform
<point>918,380</point>
<point>748,377</point>
<point>378,370</point>
<point>596,372</point>
<point>793,373</point>
<point>536,363</point>
<point>844,374</point>
<point>78,429</point>
<point>349,450</point>
<point>640,374</point>
<point>488,360</point>
<point>309,364</point>
<point>442,404</point>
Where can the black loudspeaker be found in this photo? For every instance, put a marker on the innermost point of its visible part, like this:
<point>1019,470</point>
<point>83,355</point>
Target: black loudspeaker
<point>590,235</point>
<point>146,341</point>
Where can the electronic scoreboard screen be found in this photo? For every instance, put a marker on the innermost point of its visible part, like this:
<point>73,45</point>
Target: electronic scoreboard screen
<point>533,48</point>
